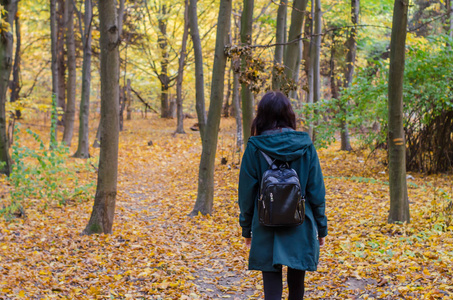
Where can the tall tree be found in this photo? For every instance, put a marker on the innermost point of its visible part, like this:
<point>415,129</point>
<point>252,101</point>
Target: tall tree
<point>280,39</point>
<point>6,58</point>
<point>351,48</point>
<point>450,18</point>
<point>399,203</point>
<point>248,106</point>
<point>54,51</point>
<point>293,49</point>
<point>84,112</point>
<point>315,52</point>
<point>182,57</point>
<point>199,77</point>
<point>61,63</point>
<point>205,197</point>
<point>162,40</point>
<point>15,83</point>
<point>69,115</point>
<point>101,220</point>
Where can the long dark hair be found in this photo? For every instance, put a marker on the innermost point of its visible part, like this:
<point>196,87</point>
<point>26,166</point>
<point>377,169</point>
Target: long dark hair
<point>274,111</point>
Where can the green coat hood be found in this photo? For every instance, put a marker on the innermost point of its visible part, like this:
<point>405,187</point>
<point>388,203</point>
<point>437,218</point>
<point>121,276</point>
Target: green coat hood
<point>284,146</point>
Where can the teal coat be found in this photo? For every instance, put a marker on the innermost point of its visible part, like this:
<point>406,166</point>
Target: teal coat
<point>296,247</point>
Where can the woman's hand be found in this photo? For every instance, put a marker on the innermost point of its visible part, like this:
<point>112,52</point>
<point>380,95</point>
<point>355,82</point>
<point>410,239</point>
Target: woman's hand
<point>322,241</point>
<point>248,242</point>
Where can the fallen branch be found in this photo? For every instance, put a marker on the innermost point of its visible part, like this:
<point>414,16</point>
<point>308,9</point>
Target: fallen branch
<point>143,101</point>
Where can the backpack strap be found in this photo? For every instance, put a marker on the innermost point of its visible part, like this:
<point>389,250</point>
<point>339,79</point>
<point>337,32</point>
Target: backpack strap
<point>268,159</point>
<point>271,161</point>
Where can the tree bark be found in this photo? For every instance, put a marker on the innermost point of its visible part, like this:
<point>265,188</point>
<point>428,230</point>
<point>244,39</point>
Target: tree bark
<point>205,197</point>
<point>315,56</point>
<point>280,39</point>
<point>307,55</point>
<point>101,220</point>
<point>399,203</point>
<point>54,51</point>
<point>182,57</point>
<point>72,75</point>
<point>6,53</point>
<point>237,104</point>
<point>61,65</point>
<point>248,107</point>
<point>351,48</point>
<point>163,77</point>
<point>15,84</point>
<point>84,112</point>
<point>199,77</point>
<point>295,32</point>
<point>128,100</point>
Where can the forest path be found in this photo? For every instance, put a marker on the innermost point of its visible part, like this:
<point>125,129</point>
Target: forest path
<point>157,252</point>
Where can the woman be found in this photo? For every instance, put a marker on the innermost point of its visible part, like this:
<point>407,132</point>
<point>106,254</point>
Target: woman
<point>274,133</point>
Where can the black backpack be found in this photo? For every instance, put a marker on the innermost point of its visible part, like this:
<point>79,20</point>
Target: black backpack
<point>281,202</point>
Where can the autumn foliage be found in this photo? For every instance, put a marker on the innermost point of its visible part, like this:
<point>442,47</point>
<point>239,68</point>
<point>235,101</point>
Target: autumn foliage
<point>157,252</point>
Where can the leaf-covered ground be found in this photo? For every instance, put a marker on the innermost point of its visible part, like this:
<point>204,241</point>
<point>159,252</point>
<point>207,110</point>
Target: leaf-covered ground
<point>158,252</point>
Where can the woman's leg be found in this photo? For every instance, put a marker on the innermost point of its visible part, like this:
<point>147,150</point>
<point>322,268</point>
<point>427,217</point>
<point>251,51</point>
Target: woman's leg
<point>272,283</point>
<point>296,284</point>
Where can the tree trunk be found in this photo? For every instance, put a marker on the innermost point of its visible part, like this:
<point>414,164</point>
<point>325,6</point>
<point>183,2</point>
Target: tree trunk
<point>248,107</point>
<point>316,54</point>
<point>15,84</point>
<point>311,62</point>
<point>399,203</point>
<point>6,55</point>
<point>279,49</point>
<point>237,104</point>
<point>128,100</point>
<point>450,20</point>
<point>72,75</point>
<point>122,105</point>
<point>61,65</point>
<point>199,77</point>
<point>84,112</point>
<point>295,32</point>
<point>97,139</point>
<point>54,51</point>
<point>351,48</point>
<point>101,220</point>
<point>163,77</point>
<point>182,57</point>
<point>296,75</point>
<point>205,197</point>
<point>227,105</point>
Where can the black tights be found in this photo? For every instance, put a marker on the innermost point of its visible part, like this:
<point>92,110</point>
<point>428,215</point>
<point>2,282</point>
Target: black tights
<point>273,287</point>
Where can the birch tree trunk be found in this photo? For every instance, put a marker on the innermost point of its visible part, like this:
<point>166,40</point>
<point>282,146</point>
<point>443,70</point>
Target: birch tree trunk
<point>54,64</point>
<point>6,58</point>
<point>205,197</point>
<point>182,57</point>
<point>72,75</point>
<point>294,47</point>
<point>351,48</point>
<point>84,112</point>
<point>199,77</point>
<point>248,106</point>
<point>399,203</point>
<point>280,39</point>
<point>101,220</point>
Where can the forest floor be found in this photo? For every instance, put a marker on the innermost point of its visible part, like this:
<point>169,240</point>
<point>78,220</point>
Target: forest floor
<point>157,252</point>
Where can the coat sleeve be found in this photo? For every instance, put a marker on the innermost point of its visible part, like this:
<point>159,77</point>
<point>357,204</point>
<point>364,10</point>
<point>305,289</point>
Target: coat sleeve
<point>316,192</point>
<point>248,190</point>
